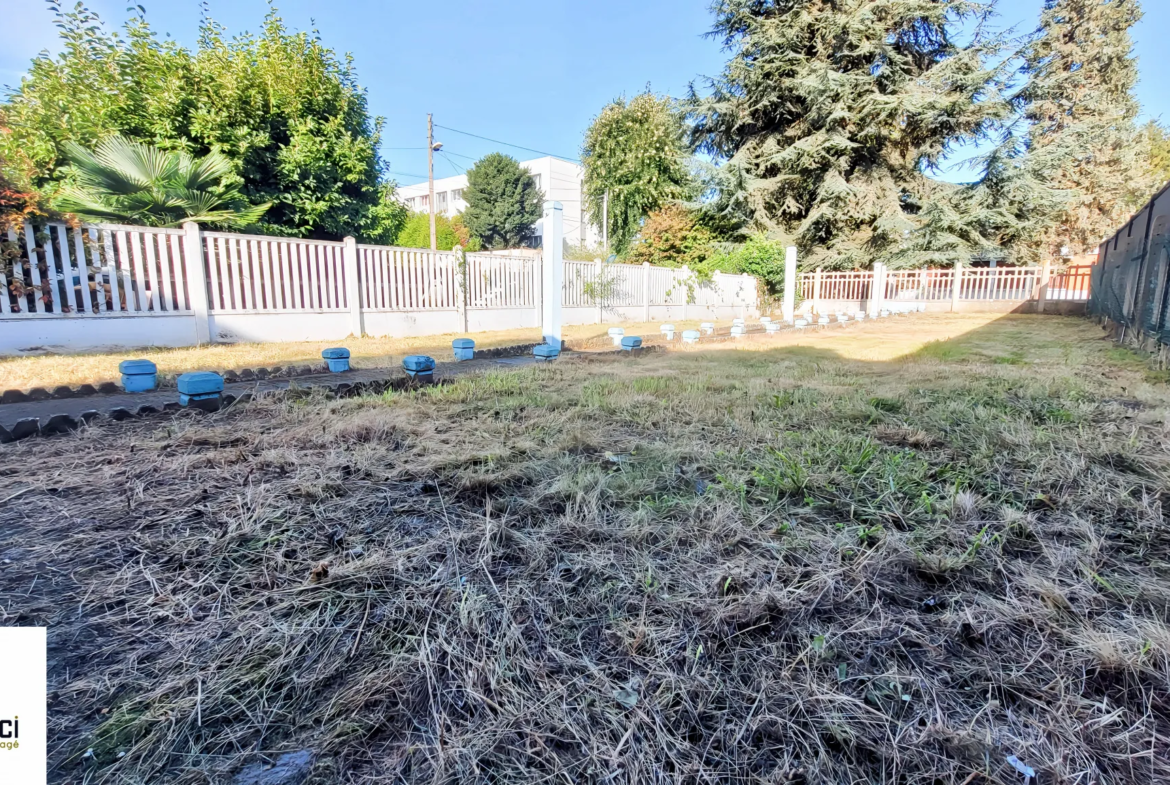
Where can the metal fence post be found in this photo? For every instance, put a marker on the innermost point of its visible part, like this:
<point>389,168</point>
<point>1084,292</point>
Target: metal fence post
<point>196,280</point>
<point>956,285</point>
<point>353,289</point>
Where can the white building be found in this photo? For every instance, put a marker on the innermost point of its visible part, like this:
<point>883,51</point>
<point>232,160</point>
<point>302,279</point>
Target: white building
<point>557,178</point>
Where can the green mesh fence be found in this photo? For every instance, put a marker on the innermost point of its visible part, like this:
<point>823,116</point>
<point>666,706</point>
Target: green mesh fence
<point>1130,280</point>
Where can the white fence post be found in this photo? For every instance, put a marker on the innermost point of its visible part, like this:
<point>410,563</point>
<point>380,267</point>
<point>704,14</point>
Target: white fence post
<point>599,288</point>
<point>196,280</point>
<point>353,288</point>
<point>789,307</point>
<point>1045,279</point>
<point>461,283</point>
<point>553,255</point>
<point>877,289</point>
<point>685,282</point>
<point>645,291</point>
<point>957,285</point>
<point>817,291</point>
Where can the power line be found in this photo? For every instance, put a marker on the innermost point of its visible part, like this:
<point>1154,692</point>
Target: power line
<point>450,163</point>
<point>506,144</point>
<point>406,174</point>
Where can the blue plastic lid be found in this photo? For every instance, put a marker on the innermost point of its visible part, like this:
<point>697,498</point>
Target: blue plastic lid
<point>690,334</point>
<point>545,350</point>
<point>137,366</point>
<point>337,353</point>
<point>463,343</point>
<point>419,362</point>
<point>667,328</point>
<point>632,340</point>
<point>200,382</point>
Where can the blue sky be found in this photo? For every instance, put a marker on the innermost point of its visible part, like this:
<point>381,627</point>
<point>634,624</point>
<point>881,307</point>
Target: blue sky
<point>525,72</point>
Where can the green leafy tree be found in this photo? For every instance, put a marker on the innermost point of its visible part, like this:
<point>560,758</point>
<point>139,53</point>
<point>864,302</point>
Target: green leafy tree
<point>636,151</point>
<point>503,202</point>
<point>284,109</point>
<point>416,232</point>
<point>671,237</point>
<point>1079,102</point>
<point>828,116</point>
<point>133,182</point>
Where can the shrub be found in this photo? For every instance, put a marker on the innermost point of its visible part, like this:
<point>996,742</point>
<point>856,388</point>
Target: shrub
<point>759,257</point>
<point>416,232</point>
<point>670,237</point>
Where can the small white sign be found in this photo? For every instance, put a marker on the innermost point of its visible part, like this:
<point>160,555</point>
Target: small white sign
<point>23,698</point>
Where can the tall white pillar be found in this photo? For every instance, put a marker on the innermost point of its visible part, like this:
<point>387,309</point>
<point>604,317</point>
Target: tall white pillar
<point>553,262</point>
<point>789,307</point>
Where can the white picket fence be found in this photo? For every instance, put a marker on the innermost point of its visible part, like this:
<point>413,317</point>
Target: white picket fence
<point>105,285</point>
<point>954,288</point>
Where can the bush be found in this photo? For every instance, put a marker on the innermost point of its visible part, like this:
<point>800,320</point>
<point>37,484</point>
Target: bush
<point>759,257</point>
<point>671,237</point>
<point>283,108</point>
<point>464,236</point>
<point>416,232</point>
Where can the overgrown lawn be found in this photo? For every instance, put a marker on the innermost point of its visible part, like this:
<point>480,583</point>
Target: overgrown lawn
<point>866,558</point>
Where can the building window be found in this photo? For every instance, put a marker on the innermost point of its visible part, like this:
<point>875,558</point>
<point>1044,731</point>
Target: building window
<point>424,202</point>
<point>441,202</point>
<point>536,179</point>
<point>457,195</point>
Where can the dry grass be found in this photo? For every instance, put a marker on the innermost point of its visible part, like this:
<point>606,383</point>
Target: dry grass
<point>760,566</point>
<point>51,370</point>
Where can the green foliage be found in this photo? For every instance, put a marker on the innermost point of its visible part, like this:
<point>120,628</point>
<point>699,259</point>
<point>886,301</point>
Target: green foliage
<point>1158,140</point>
<point>285,110</point>
<point>463,236</point>
<point>416,233</point>
<point>829,114</point>
<point>1080,106</point>
<point>635,150</point>
<point>671,237</point>
<point>131,182</point>
<point>584,253</point>
<point>759,257</point>
<point>503,202</point>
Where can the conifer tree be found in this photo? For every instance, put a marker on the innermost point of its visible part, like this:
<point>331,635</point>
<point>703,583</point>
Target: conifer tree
<point>828,114</point>
<point>503,202</point>
<point>1080,104</point>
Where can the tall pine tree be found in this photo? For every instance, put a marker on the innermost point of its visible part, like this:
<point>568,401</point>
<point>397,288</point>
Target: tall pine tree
<point>1079,101</point>
<point>829,113</point>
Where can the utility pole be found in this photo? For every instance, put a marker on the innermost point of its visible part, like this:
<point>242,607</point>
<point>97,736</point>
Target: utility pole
<point>605,221</point>
<point>431,174</point>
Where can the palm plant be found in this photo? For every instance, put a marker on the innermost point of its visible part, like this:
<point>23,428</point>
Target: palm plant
<point>131,182</point>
